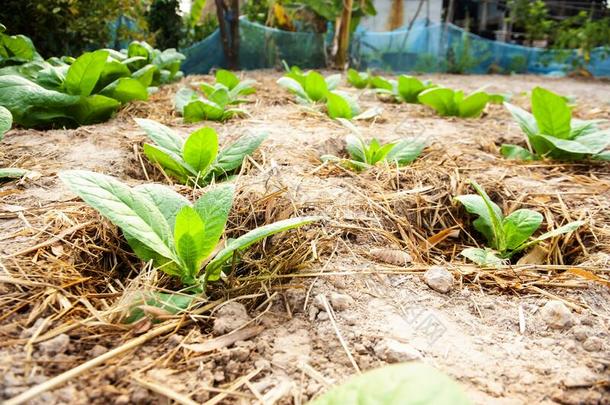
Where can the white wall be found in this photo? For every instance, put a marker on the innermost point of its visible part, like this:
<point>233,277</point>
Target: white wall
<point>431,9</point>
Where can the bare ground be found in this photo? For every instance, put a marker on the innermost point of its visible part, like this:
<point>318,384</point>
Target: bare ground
<point>64,273</point>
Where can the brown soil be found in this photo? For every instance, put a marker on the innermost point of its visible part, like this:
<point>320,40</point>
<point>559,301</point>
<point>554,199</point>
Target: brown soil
<point>64,272</point>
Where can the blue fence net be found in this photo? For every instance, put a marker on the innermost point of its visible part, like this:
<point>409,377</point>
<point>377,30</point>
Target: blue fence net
<point>425,48</point>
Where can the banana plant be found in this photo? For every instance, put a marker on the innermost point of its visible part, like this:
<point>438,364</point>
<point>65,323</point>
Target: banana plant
<point>6,122</point>
<point>163,227</point>
<point>448,102</point>
<point>551,132</point>
<point>404,90</point>
<point>229,81</point>
<point>197,160</point>
<point>505,235</point>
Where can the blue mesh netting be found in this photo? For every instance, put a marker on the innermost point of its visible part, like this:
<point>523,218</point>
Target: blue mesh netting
<point>425,48</point>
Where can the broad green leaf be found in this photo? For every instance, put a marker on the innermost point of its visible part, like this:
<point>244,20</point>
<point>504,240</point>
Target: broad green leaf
<point>552,113</point>
<point>338,106</point>
<point>406,151</point>
<point>19,48</point>
<point>6,121</point>
<point>208,89</point>
<point>244,88</point>
<point>472,105</point>
<point>146,254</point>
<point>170,162</point>
<point>357,79</point>
<point>315,86</point>
<point>165,199</point>
<point>212,270</point>
<point>516,152</point>
<point>231,157</point>
<point>113,70</point>
<point>602,156</point>
<point>475,204</point>
<point>440,99</point>
<point>567,228</point>
<point>201,109</point>
<point>85,72</point>
<point>124,207</point>
<point>125,90</point>
<point>52,77</point>
<point>519,226</point>
<point>483,257</point>
<point>333,81</point>
<point>145,75</point>
<point>409,383</point>
<point>526,121</point>
<point>382,152</point>
<point>595,141</point>
<point>581,127</point>
<point>356,148</point>
<point>140,53</point>
<point>227,78</point>
<point>409,88</point>
<point>213,208</point>
<point>161,135</point>
<point>12,173</point>
<point>567,145</point>
<point>378,82</point>
<point>495,216</point>
<point>190,237</point>
<point>220,96</point>
<point>184,96</point>
<point>93,109</point>
<point>173,303</point>
<point>201,148</point>
<point>294,87</point>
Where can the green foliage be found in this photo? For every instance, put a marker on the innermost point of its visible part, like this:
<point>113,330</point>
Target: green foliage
<point>404,90</point>
<point>551,131</point>
<point>232,84</point>
<point>196,160</point>
<point>163,227</point>
<point>309,87</point>
<point>143,60</point>
<point>505,236</point>
<point>16,49</point>
<point>6,121</point>
<point>359,80</point>
<point>447,102</point>
<point>165,23</point>
<point>532,17</point>
<point>363,155</point>
<point>406,384</point>
<point>341,105</point>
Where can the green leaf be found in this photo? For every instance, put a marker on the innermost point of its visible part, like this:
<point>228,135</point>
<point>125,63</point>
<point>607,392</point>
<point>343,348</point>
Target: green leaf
<point>495,216</point>
<point>227,78</point>
<point>519,226</point>
<point>145,75</point>
<point>213,209</point>
<point>294,87</point>
<point>184,96</point>
<point>567,228</point>
<point>244,88</point>
<point>85,72</point>
<point>333,81</point>
<point>125,90</point>
<point>173,303</point>
<point>356,148</point>
<point>190,237</point>
<point>165,199</point>
<point>406,151</point>
<point>212,270</point>
<point>526,121</point>
<point>409,88</point>
<point>161,135</point>
<point>19,48</point>
<point>378,82</point>
<point>409,383</point>
<point>201,109</point>
<point>338,106</point>
<point>440,99</point>
<point>576,147</point>
<point>220,96</point>
<point>231,157</point>
<point>483,257</point>
<point>473,105</point>
<point>124,207</point>
<point>12,173</point>
<point>170,162</point>
<point>315,86</point>
<point>201,148</point>
<point>6,121</point>
<point>356,79</point>
<point>93,109</point>
<point>113,70</point>
<point>475,204</point>
<point>516,152</point>
<point>552,113</point>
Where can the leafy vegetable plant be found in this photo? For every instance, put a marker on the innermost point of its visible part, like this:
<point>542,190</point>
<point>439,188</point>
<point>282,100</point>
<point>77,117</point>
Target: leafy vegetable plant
<point>309,87</point>
<point>551,132</point>
<point>144,61</point>
<point>364,155</point>
<point>216,107</point>
<point>6,121</point>
<point>196,160</point>
<point>405,90</point>
<point>447,102</point>
<point>16,49</point>
<point>505,236</point>
<point>359,80</point>
<point>162,226</point>
<point>232,84</point>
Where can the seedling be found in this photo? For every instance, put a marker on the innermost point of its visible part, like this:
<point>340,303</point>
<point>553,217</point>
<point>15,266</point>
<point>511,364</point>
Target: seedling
<point>145,61</point>
<point>230,82</point>
<point>404,90</point>
<point>447,102</point>
<point>162,226</point>
<point>310,87</point>
<point>6,121</point>
<point>216,107</point>
<point>506,236</point>
<point>364,155</point>
<point>551,132</point>
<point>359,80</point>
<point>196,160</point>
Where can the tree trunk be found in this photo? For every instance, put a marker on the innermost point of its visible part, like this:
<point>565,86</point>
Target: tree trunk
<point>346,18</point>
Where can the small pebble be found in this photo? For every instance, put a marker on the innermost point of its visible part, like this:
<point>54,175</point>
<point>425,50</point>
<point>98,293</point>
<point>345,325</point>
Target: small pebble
<point>557,315</point>
<point>439,279</point>
<point>341,302</point>
<point>593,344</point>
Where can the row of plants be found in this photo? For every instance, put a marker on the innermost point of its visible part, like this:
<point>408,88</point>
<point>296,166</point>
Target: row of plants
<point>67,91</point>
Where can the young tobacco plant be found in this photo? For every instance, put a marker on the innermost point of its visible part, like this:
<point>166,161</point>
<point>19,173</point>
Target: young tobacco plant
<point>216,107</point>
<point>6,122</point>
<point>310,87</point>
<point>448,102</point>
<point>404,90</point>
<point>359,80</point>
<point>364,155</point>
<point>551,132</point>
<point>229,81</point>
<point>505,236</point>
<point>160,225</point>
<point>196,160</point>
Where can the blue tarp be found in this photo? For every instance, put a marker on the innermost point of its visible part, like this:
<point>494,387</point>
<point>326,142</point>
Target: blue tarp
<point>425,48</point>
